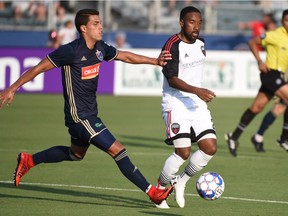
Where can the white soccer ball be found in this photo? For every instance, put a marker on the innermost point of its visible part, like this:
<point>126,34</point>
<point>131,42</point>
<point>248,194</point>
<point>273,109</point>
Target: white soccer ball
<point>210,186</point>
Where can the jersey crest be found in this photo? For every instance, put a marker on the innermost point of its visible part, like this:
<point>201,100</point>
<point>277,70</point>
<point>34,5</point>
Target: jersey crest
<point>99,55</point>
<point>175,127</point>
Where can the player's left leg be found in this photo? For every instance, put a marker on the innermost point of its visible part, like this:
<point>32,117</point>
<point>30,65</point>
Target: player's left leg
<point>282,92</point>
<point>283,139</point>
<point>198,160</point>
<point>257,139</point>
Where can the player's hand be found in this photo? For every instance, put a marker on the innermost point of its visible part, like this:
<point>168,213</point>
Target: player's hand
<point>6,96</point>
<point>163,58</point>
<point>263,67</point>
<point>205,94</point>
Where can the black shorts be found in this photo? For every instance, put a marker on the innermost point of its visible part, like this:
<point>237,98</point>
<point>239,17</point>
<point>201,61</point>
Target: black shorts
<point>91,131</point>
<point>271,81</point>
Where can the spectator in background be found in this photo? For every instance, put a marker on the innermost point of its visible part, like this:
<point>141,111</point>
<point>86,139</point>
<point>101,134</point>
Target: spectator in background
<point>40,13</point>
<point>22,10</point>
<point>17,14</point>
<point>259,27</point>
<point>62,16</point>
<point>120,41</point>
<point>2,6</point>
<point>67,33</point>
<point>53,41</point>
<point>174,4</point>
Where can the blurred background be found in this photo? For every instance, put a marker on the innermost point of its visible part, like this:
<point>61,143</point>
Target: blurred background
<point>140,23</point>
<point>29,30</point>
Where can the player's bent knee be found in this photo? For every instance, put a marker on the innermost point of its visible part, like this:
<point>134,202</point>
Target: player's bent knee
<point>212,150</point>
<point>75,157</point>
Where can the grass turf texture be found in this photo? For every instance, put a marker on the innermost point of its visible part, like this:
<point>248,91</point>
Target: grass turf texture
<point>255,183</point>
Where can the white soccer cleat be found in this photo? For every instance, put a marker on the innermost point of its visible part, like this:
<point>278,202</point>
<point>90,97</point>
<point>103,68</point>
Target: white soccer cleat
<point>179,189</point>
<point>162,205</point>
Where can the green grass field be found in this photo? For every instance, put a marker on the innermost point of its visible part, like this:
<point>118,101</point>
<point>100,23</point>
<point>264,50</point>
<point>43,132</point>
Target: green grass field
<point>256,183</point>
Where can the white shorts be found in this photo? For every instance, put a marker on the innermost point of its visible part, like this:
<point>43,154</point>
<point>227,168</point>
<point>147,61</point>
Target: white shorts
<point>194,123</point>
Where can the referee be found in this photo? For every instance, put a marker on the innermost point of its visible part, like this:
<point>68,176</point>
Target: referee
<point>272,80</point>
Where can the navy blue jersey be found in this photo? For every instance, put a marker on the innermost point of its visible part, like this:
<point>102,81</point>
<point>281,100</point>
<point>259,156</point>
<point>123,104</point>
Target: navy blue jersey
<point>80,71</point>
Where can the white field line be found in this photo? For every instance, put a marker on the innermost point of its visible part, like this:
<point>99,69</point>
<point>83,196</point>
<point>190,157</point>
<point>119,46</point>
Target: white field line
<point>134,190</point>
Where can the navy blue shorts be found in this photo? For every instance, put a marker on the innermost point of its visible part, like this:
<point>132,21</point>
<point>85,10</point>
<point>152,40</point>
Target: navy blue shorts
<point>91,131</point>
<point>271,81</point>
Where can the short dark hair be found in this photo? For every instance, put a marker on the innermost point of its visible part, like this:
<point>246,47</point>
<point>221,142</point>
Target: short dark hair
<point>285,13</point>
<point>82,17</point>
<point>188,9</point>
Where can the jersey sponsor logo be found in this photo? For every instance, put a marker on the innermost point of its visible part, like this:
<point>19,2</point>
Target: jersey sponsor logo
<point>175,127</point>
<point>186,55</point>
<point>194,63</point>
<point>83,58</point>
<point>90,72</point>
<point>99,55</point>
<point>97,125</point>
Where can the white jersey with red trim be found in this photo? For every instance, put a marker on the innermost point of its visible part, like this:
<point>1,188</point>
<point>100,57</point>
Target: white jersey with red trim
<point>187,64</point>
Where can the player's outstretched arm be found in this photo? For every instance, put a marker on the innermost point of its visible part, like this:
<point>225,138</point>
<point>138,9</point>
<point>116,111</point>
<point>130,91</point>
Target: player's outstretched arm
<point>133,58</point>
<point>7,95</point>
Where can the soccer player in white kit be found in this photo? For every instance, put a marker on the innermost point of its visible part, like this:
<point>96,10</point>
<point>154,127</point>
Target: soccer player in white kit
<point>184,107</point>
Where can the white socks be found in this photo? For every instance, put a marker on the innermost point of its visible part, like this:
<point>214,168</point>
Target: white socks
<point>171,167</point>
<point>198,161</point>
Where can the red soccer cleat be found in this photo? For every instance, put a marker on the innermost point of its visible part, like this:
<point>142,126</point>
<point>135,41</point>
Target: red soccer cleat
<point>25,162</point>
<point>158,195</point>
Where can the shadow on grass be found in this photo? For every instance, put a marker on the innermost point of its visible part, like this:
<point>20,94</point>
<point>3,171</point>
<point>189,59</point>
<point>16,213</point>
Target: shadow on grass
<point>98,198</point>
<point>160,213</point>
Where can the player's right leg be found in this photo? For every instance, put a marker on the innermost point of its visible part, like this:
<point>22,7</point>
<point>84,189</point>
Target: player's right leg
<point>56,154</point>
<point>171,167</point>
<point>24,164</point>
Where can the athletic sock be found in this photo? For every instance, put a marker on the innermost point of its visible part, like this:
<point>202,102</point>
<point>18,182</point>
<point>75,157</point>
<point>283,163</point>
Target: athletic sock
<point>198,161</point>
<point>284,135</point>
<point>130,171</point>
<point>268,119</point>
<point>52,155</point>
<point>171,167</point>
<point>258,138</point>
<point>245,120</point>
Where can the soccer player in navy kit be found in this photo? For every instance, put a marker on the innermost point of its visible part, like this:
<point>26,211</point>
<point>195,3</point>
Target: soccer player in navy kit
<point>80,62</point>
<point>184,107</point>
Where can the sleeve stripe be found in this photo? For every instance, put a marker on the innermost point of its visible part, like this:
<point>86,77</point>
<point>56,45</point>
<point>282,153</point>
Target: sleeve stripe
<point>170,42</point>
<point>51,61</point>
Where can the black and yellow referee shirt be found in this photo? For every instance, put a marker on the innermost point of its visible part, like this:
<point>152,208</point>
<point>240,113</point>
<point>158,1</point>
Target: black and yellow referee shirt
<point>276,44</point>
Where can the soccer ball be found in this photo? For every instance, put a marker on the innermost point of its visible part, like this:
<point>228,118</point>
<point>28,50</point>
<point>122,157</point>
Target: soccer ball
<point>210,186</point>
